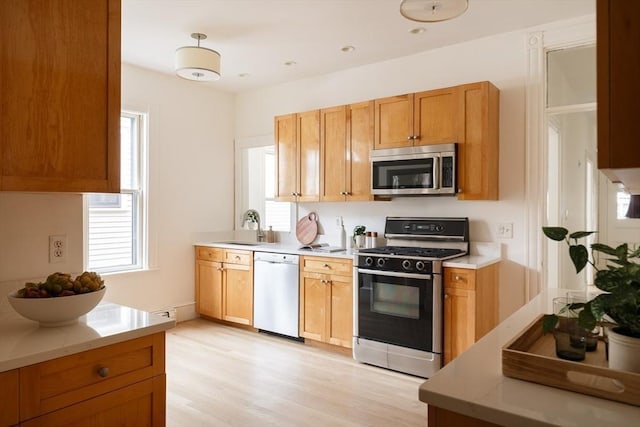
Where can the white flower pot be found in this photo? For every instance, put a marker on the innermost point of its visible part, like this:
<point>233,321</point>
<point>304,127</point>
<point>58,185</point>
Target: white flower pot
<point>623,352</point>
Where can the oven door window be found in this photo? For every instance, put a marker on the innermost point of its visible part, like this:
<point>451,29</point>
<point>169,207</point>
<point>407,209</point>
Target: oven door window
<point>399,310</point>
<point>395,300</point>
<point>404,174</point>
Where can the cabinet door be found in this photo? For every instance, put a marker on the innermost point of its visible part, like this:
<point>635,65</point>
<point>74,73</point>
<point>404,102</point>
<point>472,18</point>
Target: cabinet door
<point>478,150</point>
<point>286,157</point>
<point>60,95</point>
<point>313,306</point>
<point>360,135</point>
<point>435,116</point>
<point>209,288</point>
<point>333,154</point>
<point>394,121</point>
<point>140,404</point>
<point>309,156</point>
<point>459,321</point>
<point>9,398</point>
<point>238,294</point>
<point>340,318</point>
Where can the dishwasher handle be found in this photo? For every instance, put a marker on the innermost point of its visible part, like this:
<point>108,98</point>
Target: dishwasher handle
<point>276,258</point>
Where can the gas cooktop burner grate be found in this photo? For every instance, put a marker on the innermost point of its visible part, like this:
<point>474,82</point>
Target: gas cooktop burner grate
<point>414,251</point>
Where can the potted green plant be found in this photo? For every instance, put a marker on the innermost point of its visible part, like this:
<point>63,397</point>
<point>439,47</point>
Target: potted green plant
<point>358,236</point>
<point>619,301</point>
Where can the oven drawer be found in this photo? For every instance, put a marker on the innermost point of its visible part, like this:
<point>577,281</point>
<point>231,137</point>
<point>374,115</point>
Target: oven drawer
<point>314,264</point>
<point>459,278</point>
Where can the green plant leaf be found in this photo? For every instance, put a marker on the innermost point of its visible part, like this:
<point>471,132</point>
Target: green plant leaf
<point>599,247</point>
<point>579,256</point>
<point>549,322</point>
<point>586,319</point>
<point>580,234</point>
<point>555,233</point>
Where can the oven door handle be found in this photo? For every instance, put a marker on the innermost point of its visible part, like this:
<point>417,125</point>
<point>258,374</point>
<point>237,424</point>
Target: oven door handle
<point>395,274</point>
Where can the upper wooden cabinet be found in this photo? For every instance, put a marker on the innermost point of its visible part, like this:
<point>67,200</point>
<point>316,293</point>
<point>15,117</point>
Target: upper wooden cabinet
<point>346,139</point>
<point>618,68</point>
<point>297,143</point>
<point>478,146</point>
<point>422,118</point>
<point>60,95</point>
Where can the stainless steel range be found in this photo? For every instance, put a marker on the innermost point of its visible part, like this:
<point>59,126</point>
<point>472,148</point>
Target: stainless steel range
<point>398,295</point>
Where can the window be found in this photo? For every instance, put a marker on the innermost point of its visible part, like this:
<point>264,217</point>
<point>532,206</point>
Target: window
<point>115,227</point>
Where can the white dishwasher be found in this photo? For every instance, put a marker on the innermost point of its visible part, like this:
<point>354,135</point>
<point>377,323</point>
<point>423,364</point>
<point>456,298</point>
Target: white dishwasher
<point>275,293</point>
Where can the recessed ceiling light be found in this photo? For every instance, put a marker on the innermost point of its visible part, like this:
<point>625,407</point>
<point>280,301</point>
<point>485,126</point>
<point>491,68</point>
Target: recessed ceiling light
<point>290,63</point>
<point>243,75</point>
<point>418,30</point>
<point>348,48</point>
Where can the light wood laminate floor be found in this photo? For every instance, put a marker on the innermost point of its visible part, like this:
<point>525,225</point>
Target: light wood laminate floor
<point>218,375</point>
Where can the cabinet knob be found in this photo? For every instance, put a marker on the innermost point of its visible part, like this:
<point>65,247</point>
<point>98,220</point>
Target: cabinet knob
<point>458,278</point>
<point>326,265</point>
<point>103,371</point>
<point>237,257</point>
<point>446,296</point>
<point>410,137</point>
<point>220,269</point>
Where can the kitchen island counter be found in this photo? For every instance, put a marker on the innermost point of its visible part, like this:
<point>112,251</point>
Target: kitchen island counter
<point>473,385</point>
<point>24,342</point>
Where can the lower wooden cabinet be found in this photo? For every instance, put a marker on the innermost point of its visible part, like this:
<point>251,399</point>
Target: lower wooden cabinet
<point>224,284</point>
<point>438,417</point>
<point>9,398</point>
<point>121,384</point>
<point>326,300</point>
<point>470,307</point>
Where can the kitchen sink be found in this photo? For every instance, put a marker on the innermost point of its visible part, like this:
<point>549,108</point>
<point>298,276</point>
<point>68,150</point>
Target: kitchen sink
<point>231,242</point>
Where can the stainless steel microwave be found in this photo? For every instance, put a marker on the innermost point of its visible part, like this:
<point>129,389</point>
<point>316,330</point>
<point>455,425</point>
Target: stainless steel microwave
<point>420,170</point>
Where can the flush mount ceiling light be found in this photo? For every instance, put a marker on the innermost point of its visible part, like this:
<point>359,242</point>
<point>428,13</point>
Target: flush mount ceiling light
<point>197,63</point>
<point>432,10</point>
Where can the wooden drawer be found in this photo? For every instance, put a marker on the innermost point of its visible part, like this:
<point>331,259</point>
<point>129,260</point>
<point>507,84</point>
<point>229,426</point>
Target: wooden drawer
<point>232,256</point>
<point>58,383</point>
<point>460,278</point>
<point>206,253</point>
<point>339,266</point>
<point>9,398</point>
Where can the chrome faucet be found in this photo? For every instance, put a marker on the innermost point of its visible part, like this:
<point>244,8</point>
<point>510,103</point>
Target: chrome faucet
<point>253,216</point>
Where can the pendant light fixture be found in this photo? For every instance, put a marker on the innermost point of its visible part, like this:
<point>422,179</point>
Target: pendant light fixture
<point>432,10</point>
<point>634,206</point>
<point>197,63</point>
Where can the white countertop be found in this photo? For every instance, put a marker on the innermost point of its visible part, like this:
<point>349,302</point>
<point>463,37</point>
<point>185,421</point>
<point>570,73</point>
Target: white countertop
<point>23,342</point>
<point>473,385</point>
<point>469,262</point>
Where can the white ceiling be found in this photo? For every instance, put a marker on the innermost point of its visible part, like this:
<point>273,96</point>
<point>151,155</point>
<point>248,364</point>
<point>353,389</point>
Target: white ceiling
<point>257,37</point>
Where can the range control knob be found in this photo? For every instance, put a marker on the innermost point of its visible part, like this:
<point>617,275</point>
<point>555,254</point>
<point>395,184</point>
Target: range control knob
<point>368,261</point>
<point>419,265</point>
<point>406,264</point>
<point>381,262</point>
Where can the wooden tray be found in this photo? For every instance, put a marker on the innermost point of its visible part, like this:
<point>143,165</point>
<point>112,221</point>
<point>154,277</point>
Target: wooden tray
<point>531,356</point>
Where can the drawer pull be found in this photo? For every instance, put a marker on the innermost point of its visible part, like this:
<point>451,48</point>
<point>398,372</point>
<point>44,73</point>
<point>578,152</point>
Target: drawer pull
<point>326,266</point>
<point>458,278</point>
<point>446,296</point>
<point>103,371</point>
<point>237,257</point>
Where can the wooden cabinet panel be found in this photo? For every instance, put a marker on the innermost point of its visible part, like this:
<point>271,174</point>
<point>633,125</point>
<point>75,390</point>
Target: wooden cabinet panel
<point>317,264</point>
<point>58,383</point>
<point>478,148</point>
<point>238,294</point>
<point>209,288</point>
<point>206,253</point>
<point>140,404</point>
<point>326,301</point>
<point>618,68</point>
<point>470,307</point>
<point>9,398</point>
<point>340,318</point>
<point>238,257</point>
<point>309,156</point>
<point>286,157</point>
<point>436,116</point>
<point>333,154</point>
<point>60,95</point>
<point>393,121</point>
<point>360,136</point>
<point>438,417</point>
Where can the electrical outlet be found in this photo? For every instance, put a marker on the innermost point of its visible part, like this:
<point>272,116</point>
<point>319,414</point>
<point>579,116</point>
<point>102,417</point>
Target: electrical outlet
<point>57,248</point>
<point>505,230</point>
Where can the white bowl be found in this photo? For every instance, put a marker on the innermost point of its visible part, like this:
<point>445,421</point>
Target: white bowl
<point>56,311</point>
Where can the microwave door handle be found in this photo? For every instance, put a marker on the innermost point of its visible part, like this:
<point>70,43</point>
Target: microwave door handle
<point>436,173</point>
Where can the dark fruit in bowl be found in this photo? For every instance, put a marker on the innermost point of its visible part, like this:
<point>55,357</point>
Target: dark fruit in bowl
<point>62,285</point>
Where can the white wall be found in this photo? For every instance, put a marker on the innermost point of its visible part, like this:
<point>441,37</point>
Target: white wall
<point>190,182</point>
<point>500,59</point>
